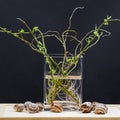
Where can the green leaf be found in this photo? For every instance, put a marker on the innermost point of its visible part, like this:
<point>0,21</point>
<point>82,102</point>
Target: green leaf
<point>96,33</point>
<point>22,31</point>
<point>105,22</point>
<point>68,60</point>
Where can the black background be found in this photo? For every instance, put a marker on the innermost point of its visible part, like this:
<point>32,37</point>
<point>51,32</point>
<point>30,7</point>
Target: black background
<point>21,69</point>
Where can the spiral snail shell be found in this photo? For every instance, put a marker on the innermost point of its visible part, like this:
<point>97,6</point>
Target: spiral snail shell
<point>26,104</point>
<point>33,108</point>
<point>100,108</point>
<point>96,107</point>
<point>40,105</point>
<point>56,108</point>
<point>19,107</point>
<point>86,107</point>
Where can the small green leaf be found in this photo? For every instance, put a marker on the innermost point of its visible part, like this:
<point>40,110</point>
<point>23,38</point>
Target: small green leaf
<point>73,58</point>
<point>105,22</point>
<point>68,60</point>
<point>96,33</point>
<point>22,31</point>
<point>64,72</point>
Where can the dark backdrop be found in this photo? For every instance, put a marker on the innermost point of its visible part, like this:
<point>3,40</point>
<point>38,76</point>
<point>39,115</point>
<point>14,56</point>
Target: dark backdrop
<point>21,69</point>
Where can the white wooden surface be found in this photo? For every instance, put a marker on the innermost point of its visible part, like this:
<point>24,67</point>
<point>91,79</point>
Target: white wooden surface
<point>7,112</point>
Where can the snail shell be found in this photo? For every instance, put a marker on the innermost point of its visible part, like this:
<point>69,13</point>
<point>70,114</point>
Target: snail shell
<point>93,105</point>
<point>86,107</point>
<point>19,107</point>
<point>96,107</point>
<point>26,104</point>
<point>56,108</point>
<point>33,108</point>
<point>100,108</point>
<point>40,105</point>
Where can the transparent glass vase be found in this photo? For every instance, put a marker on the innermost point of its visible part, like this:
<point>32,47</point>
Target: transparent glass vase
<point>63,82</point>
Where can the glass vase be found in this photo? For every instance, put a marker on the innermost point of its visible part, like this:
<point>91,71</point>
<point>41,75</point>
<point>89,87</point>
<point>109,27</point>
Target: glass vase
<point>63,82</point>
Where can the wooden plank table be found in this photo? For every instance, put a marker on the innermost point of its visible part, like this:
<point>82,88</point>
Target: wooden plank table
<point>7,113</point>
